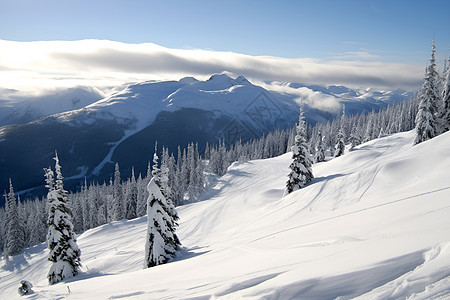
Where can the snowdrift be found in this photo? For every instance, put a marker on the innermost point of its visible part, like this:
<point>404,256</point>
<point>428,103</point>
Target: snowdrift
<point>373,224</point>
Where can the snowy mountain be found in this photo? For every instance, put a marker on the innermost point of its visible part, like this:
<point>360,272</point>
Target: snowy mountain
<point>373,224</point>
<point>20,109</point>
<point>124,126</point>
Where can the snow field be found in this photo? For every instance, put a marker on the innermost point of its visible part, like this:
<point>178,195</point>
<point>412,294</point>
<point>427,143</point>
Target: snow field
<point>373,224</point>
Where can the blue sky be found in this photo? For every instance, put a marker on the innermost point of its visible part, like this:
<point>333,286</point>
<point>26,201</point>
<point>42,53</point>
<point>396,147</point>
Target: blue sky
<point>397,30</point>
<point>331,31</point>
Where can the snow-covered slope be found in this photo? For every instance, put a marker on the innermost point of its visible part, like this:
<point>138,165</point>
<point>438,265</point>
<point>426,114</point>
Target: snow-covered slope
<point>373,224</point>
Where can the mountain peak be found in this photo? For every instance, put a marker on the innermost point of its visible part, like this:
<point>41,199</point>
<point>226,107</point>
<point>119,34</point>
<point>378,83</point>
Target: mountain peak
<point>220,77</point>
<point>242,80</point>
<point>188,80</point>
<point>225,78</point>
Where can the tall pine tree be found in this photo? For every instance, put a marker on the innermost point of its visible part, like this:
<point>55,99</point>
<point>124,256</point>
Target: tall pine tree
<point>61,240</point>
<point>160,240</point>
<point>446,99</point>
<point>14,233</point>
<point>131,197</point>
<point>355,138</point>
<point>161,180</point>
<point>340,144</point>
<point>320,151</point>
<point>118,204</point>
<point>427,125</point>
<point>301,172</point>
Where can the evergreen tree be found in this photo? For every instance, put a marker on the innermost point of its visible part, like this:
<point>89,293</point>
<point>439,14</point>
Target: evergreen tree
<point>118,205</point>
<point>78,213</point>
<point>61,240</point>
<point>340,138</point>
<point>369,127</point>
<point>320,151</point>
<point>426,119</point>
<point>164,175</point>
<point>37,224</point>
<point>355,138</point>
<point>141,206</point>
<point>446,99</point>
<point>131,197</point>
<point>2,228</point>
<point>14,231</point>
<point>161,181</point>
<point>340,146</point>
<point>156,171</point>
<point>160,241</point>
<point>301,172</point>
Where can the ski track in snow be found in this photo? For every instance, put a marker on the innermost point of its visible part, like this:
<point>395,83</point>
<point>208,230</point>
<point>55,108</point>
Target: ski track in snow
<point>373,224</point>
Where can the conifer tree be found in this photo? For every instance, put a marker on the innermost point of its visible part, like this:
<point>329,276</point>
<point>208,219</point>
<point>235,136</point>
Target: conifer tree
<point>426,119</point>
<point>141,205</point>
<point>131,197</point>
<point>118,205</point>
<point>14,232</point>
<point>355,138</point>
<point>3,228</point>
<point>320,151</point>
<point>301,172</point>
<point>156,171</point>
<point>160,179</point>
<point>61,240</point>
<point>340,144</point>
<point>164,175</point>
<point>36,223</point>
<point>446,99</point>
<point>160,241</point>
<point>369,127</point>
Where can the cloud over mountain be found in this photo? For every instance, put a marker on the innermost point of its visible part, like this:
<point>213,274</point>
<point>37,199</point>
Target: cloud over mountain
<point>107,63</point>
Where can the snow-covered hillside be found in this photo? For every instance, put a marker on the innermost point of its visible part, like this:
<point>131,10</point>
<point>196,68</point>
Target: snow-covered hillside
<point>373,224</point>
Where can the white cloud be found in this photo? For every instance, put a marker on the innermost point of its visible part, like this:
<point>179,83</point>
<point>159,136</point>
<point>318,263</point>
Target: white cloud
<point>36,65</point>
<point>312,98</point>
<point>357,55</point>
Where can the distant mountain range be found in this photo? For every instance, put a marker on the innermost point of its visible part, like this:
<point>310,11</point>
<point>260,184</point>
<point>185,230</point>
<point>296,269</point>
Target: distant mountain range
<point>124,126</point>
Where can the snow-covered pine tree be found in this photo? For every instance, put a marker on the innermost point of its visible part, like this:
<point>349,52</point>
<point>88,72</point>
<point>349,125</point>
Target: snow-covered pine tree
<point>427,125</point>
<point>164,175</point>
<point>445,115</point>
<point>320,151</point>
<point>355,137</point>
<point>301,172</point>
<point>156,171</point>
<point>369,127</point>
<point>340,146</point>
<point>161,180</point>
<point>160,242</point>
<point>37,222</point>
<point>131,197</point>
<point>141,205</point>
<point>118,205</point>
<point>61,240</point>
<point>340,143</point>
<point>94,206</point>
<point>14,233</point>
<point>2,228</point>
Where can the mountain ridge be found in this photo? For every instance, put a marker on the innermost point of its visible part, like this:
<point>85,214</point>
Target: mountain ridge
<point>124,126</point>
